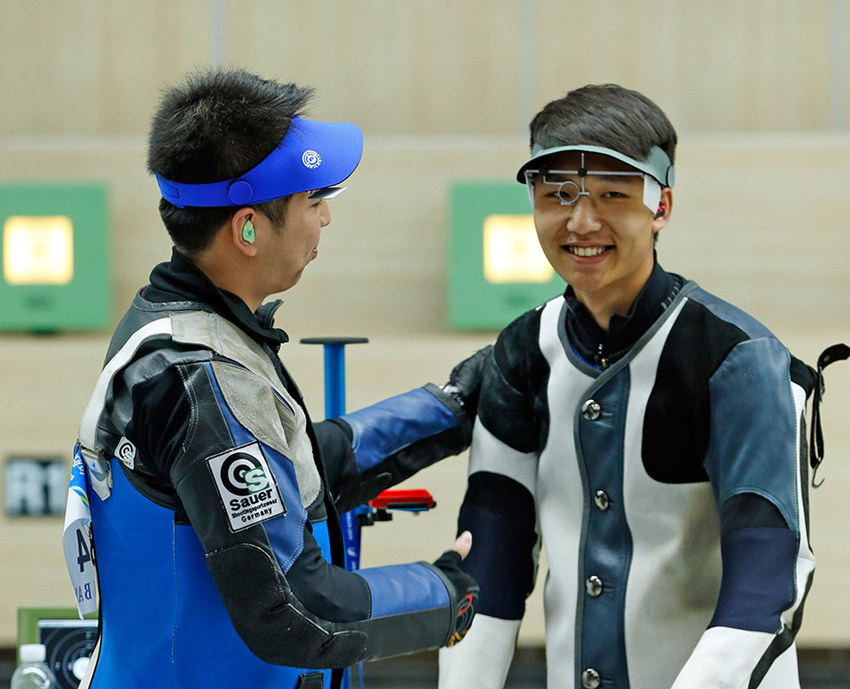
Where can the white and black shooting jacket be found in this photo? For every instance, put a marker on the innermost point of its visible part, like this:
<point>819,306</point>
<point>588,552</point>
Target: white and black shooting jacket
<point>667,483</point>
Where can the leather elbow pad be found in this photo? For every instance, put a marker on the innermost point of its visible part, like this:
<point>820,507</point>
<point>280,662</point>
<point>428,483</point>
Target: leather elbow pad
<point>413,609</point>
<point>269,619</point>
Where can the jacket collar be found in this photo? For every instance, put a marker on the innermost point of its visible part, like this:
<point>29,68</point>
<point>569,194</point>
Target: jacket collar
<point>181,280</point>
<point>594,344</point>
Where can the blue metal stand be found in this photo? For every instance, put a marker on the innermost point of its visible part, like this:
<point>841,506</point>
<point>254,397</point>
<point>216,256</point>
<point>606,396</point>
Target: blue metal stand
<point>414,501</point>
<point>335,406</point>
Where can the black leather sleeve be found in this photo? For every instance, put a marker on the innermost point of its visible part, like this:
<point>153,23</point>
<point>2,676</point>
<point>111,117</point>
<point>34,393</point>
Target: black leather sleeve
<point>288,604</point>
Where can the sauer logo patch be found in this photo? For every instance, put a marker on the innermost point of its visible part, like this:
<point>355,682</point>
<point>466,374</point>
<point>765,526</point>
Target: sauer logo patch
<point>246,486</point>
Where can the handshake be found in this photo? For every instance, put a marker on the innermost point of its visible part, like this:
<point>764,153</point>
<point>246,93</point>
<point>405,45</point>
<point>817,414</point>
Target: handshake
<point>465,595</point>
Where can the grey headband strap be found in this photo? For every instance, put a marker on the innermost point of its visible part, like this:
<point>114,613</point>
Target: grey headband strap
<point>657,163</point>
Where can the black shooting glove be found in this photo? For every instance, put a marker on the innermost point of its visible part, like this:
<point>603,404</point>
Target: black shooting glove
<point>465,380</point>
<point>358,490</point>
<point>465,595</point>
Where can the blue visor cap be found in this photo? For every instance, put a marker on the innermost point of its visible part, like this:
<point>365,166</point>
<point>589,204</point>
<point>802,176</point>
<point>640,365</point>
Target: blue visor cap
<point>313,155</point>
<point>657,165</point>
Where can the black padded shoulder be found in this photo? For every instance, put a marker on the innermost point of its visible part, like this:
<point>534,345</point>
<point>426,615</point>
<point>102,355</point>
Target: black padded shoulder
<point>676,424</point>
<point>512,404</point>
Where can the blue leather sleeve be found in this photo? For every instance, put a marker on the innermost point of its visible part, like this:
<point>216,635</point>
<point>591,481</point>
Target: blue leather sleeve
<point>753,451</point>
<point>404,588</point>
<point>752,444</point>
<point>758,579</point>
<point>390,426</point>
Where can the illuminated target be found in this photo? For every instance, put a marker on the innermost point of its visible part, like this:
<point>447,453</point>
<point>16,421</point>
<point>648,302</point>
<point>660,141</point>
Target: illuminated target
<point>70,644</point>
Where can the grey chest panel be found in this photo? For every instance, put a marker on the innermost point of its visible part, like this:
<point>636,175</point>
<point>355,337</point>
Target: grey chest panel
<point>254,393</point>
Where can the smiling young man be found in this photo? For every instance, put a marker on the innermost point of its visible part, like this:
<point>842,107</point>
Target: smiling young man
<point>214,499</point>
<point>646,433</point>
<point>603,248</point>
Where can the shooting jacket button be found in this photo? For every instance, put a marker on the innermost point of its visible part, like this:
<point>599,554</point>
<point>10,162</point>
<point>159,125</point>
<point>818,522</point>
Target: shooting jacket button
<point>590,679</point>
<point>593,585</point>
<point>602,500</point>
<point>591,410</point>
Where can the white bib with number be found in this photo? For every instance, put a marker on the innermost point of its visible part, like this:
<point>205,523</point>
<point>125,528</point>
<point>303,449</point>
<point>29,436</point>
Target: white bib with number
<point>77,541</point>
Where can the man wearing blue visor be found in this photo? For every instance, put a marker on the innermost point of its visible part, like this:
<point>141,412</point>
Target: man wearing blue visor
<point>213,498</point>
<point>647,434</point>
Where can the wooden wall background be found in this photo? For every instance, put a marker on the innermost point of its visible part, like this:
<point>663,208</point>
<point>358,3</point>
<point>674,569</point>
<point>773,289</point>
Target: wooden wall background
<point>758,90</point>
<point>95,67</point>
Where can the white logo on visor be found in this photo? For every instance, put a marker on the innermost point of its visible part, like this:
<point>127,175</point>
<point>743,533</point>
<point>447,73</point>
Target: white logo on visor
<point>246,486</point>
<point>311,159</point>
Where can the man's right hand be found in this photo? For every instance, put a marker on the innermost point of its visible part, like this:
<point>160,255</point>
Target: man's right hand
<point>465,595</point>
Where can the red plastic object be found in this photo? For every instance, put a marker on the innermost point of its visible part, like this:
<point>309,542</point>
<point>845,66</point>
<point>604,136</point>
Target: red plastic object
<point>415,499</point>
